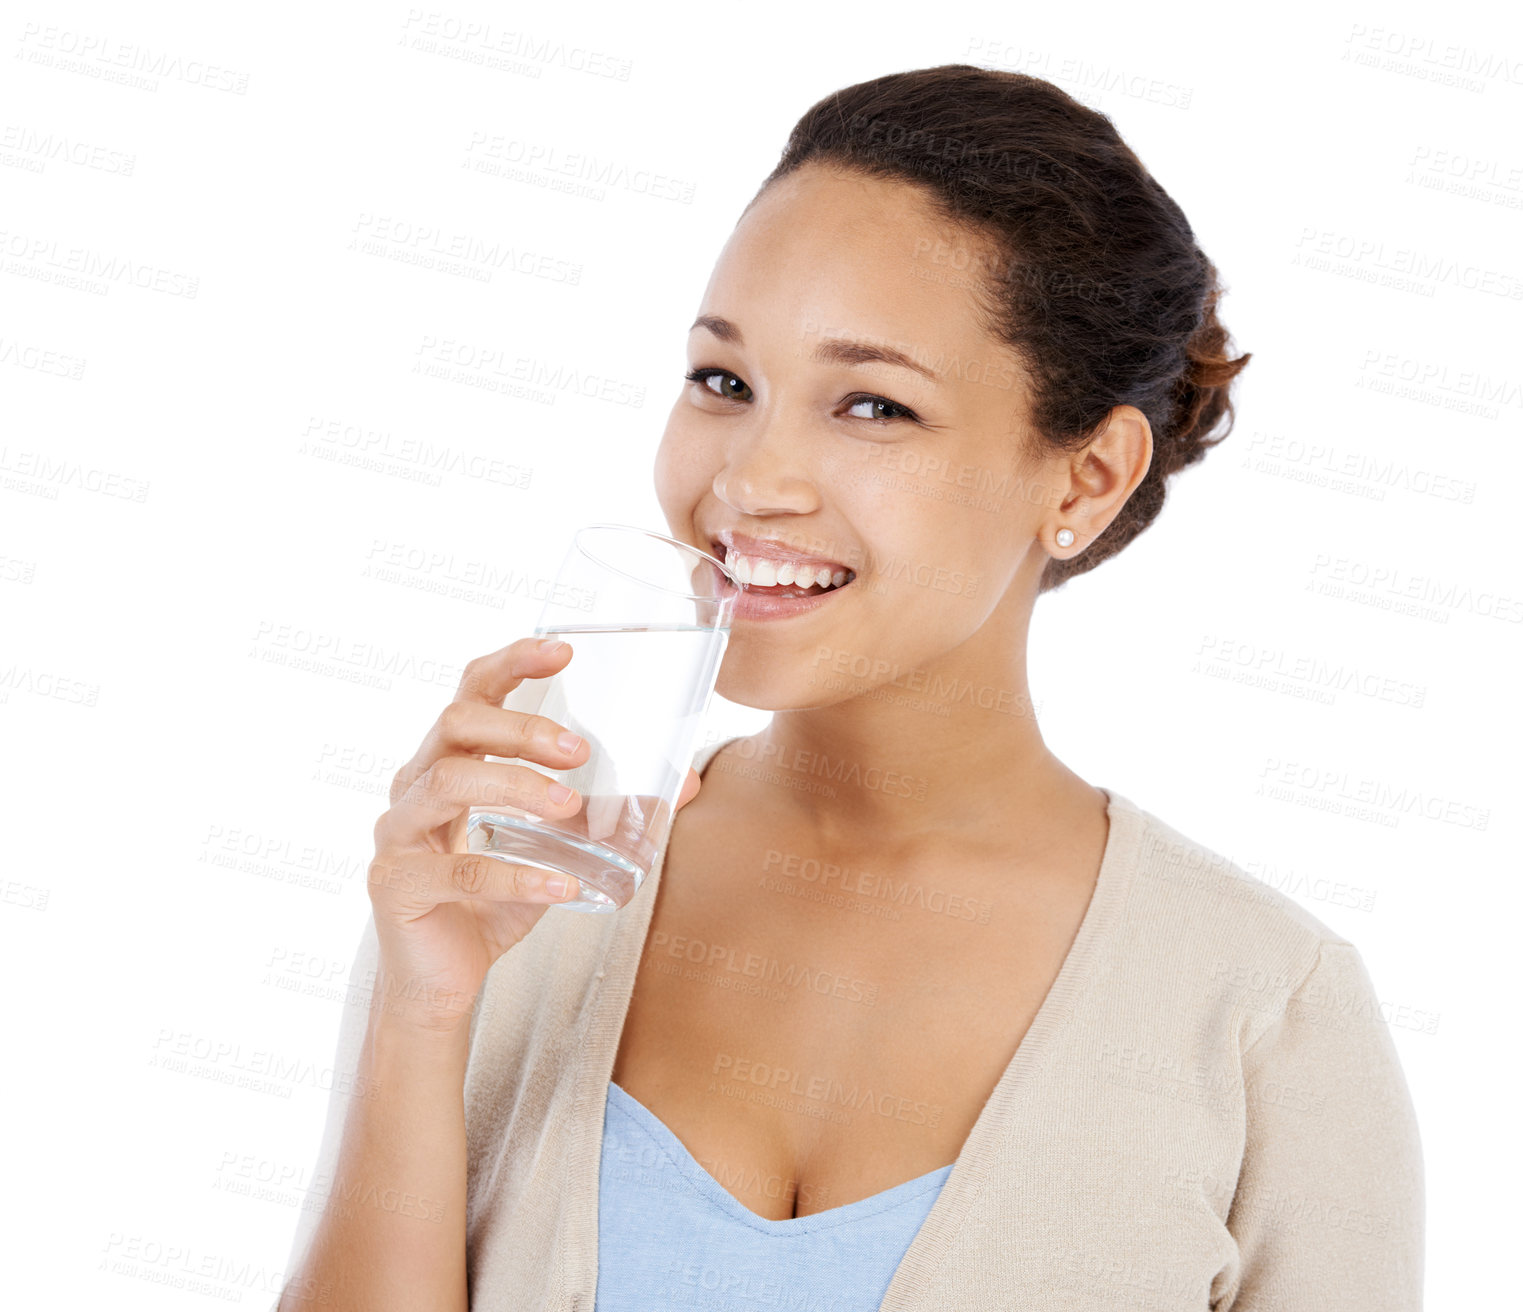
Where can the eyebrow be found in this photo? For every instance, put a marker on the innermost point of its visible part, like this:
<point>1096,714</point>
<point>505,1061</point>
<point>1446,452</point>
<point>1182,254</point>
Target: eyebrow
<point>832,350</point>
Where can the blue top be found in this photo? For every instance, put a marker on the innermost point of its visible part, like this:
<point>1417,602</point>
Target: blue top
<point>670,1234</point>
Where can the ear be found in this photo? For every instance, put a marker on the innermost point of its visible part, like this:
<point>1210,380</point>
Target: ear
<point>1102,475</point>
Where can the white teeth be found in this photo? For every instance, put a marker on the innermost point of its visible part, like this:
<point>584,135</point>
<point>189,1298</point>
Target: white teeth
<point>763,572</point>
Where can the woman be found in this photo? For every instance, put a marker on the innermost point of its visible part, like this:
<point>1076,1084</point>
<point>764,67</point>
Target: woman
<point>909,1015</point>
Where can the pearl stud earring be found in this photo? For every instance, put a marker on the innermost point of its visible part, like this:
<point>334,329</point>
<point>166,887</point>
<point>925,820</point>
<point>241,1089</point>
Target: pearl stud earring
<point>1065,537</point>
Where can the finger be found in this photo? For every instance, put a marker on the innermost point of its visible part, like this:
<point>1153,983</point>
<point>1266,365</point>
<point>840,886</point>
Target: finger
<point>488,679</point>
<point>430,878</point>
<point>473,728</point>
<point>451,786</point>
<point>483,685</point>
<point>690,787</point>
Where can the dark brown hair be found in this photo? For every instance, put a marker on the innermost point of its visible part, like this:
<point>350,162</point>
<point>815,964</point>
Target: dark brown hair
<point>1094,276</point>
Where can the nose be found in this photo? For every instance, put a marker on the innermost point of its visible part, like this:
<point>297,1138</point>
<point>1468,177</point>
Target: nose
<point>766,473</point>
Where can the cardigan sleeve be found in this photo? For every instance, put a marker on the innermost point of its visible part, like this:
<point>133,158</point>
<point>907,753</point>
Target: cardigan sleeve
<point>1329,1209</point>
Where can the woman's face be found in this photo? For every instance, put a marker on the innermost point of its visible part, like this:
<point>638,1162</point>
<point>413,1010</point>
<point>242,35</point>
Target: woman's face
<point>911,479</point>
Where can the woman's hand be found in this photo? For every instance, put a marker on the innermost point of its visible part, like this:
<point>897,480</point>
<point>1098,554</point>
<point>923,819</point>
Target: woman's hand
<point>444,915</point>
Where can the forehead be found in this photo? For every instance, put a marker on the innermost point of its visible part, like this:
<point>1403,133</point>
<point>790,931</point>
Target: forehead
<point>828,251</point>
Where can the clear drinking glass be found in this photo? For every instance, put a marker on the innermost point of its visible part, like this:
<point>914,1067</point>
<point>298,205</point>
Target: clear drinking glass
<point>648,620</point>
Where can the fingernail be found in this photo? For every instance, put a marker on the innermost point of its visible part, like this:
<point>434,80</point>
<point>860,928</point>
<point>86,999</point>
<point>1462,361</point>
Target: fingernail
<point>551,646</point>
<point>569,741</point>
<point>559,794</point>
<point>557,886</point>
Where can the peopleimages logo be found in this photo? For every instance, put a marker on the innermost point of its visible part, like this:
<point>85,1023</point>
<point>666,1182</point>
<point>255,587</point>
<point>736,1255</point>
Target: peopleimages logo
<point>43,148</point>
<point>488,152</point>
<point>112,61</point>
<point>45,256</point>
<point>1432,57</point>
<point>462,361</point>
<point>477,43</point>
<point>1369,260</point>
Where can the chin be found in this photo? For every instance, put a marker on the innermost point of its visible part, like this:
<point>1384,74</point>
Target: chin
<point>747,683</point>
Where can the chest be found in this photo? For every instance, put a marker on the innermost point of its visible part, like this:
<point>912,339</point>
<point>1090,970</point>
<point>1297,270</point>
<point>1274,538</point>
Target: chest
<point>816,1035</point>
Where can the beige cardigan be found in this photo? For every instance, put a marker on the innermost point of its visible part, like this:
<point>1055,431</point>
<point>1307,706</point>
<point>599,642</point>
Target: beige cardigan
<point>1208,1112</point>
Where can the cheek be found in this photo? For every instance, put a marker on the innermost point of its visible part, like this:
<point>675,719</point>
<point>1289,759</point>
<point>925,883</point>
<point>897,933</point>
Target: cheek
<point>931,555</point>
<point>908,526</point>
<point>681,469</point>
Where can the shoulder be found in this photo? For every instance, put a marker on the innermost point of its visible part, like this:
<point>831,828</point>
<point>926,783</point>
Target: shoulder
<point>1176,871</point>
<point>1326,1204</point>
<point>1222,955</point>
<point>1222,933</point>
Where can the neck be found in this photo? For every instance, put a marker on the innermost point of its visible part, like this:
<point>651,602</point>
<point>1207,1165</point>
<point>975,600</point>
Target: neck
<point>949,746</point>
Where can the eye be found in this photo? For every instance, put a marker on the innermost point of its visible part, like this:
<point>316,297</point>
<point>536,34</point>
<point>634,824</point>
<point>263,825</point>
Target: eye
<point>731,387</point>
<point>878,405</point>
<point>725,379</point>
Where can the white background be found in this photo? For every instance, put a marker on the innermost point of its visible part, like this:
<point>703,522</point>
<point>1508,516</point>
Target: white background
<point>197,489</point>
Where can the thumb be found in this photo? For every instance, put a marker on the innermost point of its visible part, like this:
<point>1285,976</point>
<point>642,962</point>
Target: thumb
<point>690,787</point>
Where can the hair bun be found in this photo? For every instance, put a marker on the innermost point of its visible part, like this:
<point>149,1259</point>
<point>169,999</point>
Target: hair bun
<point>1202,397</point>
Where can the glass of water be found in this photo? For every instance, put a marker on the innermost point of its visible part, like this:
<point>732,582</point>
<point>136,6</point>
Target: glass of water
<point>648,619</point>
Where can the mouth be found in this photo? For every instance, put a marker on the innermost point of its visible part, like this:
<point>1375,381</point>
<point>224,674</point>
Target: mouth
<point>800,577</point>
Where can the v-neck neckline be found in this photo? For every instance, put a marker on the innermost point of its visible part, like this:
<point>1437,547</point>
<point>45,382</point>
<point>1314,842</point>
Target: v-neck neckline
<point>700,1178</point>
<point>955,1206</point>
